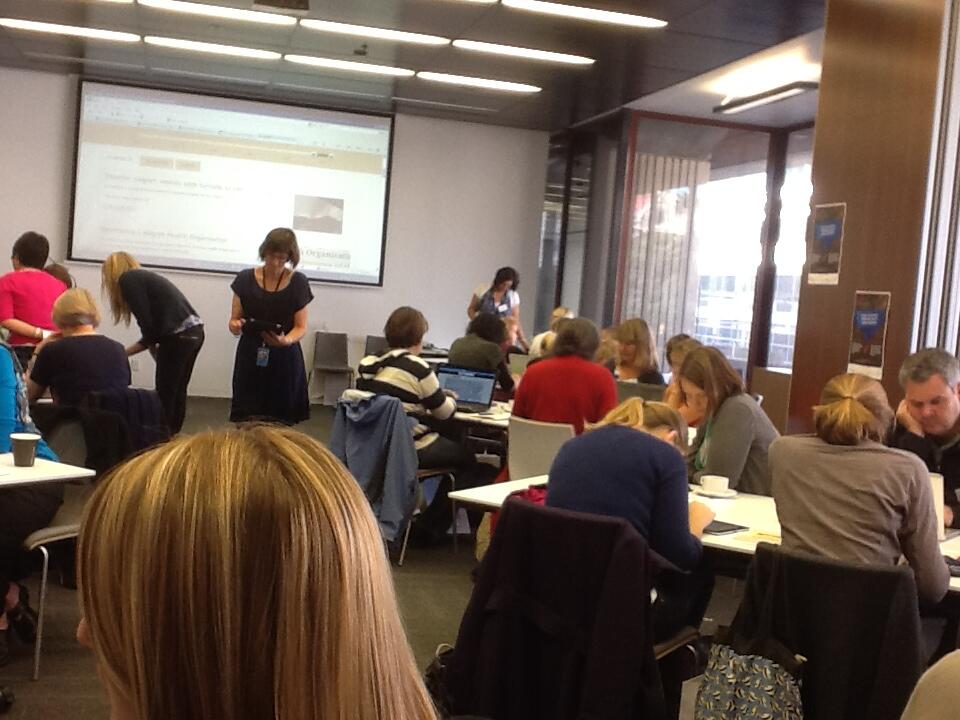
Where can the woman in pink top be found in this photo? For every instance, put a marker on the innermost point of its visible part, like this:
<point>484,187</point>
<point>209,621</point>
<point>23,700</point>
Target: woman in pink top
<point>27,295</point>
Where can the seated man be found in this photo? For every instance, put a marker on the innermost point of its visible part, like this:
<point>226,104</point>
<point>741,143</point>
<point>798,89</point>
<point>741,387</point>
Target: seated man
<point>404,375</point>
<point>928,420</point>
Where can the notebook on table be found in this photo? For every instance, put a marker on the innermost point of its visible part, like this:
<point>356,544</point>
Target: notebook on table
<point>473,388</point>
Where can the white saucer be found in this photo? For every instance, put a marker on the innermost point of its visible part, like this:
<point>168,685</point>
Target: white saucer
<point>722,495</point>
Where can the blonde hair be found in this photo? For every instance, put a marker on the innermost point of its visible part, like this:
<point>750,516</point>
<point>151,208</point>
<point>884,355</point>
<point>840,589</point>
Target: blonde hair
<point>637,333</point>
<point>852,408</point>
<point>75,307</point>
<point>240,575</point>
<point>115,265</point>
<point>649,415</point>
<point>559,313</point>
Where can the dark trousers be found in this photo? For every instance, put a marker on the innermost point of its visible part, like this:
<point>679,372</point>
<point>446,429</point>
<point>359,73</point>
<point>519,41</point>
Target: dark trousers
<point>446,453</point>
<point>175,356</point>
<point>23,510</point>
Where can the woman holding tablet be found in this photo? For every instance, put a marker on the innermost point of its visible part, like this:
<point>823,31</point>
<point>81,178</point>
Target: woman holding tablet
<point>169,327</point>
<point>269,314</point>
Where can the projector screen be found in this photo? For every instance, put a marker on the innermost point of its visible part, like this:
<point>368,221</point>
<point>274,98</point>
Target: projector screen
<point>195,182</point>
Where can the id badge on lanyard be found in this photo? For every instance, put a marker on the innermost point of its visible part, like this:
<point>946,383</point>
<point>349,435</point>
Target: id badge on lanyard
<point>263,356</point>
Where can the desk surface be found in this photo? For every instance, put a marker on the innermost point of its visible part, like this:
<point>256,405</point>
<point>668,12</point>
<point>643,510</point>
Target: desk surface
<point>757,512</point>
<point>498,416</point>
<point>43,471</point>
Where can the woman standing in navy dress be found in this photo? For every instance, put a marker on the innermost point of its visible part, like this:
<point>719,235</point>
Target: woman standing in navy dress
<point>269,379</point>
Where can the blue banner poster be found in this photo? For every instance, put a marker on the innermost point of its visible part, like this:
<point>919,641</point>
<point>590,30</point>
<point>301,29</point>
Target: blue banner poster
<point>825,244</point>
<point>871,310</point>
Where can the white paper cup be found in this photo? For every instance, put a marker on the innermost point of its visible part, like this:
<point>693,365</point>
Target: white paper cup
<point>24,446</point>
<point>936,486</point>
<point>715,483</point>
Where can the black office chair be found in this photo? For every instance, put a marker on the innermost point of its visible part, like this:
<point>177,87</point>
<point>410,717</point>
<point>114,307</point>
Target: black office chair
<point>857,627</point>
<point>375,345</point>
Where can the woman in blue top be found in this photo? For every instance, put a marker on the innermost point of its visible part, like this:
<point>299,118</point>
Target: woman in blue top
<point>23,510</point>
<point>500,298</point>
<point>630,465</point>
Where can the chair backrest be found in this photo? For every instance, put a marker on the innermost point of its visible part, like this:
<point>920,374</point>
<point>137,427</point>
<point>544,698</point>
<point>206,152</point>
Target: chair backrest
<point>66,439</point>
<point>376,345</point>
<point>556,626</point>
<point>647,391</point>
<point>330,352</point>
<point>533,445</point>
<point>518,363</point>
<point>858,626</point>
<point>140,408</point>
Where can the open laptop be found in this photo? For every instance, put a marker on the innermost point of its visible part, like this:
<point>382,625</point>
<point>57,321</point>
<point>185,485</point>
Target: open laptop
<point>474,388</point>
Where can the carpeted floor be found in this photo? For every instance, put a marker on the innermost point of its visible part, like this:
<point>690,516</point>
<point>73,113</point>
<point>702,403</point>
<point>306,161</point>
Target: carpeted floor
<point>433,588</point>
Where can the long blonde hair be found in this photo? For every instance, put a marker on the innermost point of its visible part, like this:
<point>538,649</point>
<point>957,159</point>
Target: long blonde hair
<point>649,415</point>
<point>240,575</point>
<point>636,332</point>
<point>114,266</point>
<point>852,408</point>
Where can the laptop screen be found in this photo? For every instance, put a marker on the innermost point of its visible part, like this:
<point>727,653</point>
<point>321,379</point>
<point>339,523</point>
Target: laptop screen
<point>473,387</point>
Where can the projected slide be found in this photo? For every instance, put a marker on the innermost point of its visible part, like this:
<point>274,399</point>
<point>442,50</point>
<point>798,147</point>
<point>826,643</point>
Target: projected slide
<point>196,182</point>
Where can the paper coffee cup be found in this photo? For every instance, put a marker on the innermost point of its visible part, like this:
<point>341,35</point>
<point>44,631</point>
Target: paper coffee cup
<point>24,446</point>
<point>715,483</point>
<point>936,486</point>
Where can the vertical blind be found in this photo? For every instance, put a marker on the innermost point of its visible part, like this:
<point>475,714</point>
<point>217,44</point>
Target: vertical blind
<point>658,269</point>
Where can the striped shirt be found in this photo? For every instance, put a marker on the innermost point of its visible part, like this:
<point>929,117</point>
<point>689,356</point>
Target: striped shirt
<point>411,380</point>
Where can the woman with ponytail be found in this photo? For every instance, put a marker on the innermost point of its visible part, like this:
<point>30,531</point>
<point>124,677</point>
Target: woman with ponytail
<point>843,495</point>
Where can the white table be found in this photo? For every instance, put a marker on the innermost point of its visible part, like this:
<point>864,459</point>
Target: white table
<point>43,471</point>
<point>756,512</point>
<point>497,417</point>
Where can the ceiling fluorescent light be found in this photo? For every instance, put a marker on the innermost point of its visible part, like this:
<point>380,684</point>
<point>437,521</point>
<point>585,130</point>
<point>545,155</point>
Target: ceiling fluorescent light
<point>91,33</point>
<point>585,13</point>
<point>521,52</point>
<point>218,11</point>
<point>765,97</point>
<point>211,48</point>
<point>478,82</point>
<point>372,32</point>
<point>349,65</point>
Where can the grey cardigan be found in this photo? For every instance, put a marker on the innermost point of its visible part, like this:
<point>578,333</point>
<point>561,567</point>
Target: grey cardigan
<point>734,444</point>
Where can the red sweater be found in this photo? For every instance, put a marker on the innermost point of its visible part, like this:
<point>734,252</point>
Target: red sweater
<point>565,389</point>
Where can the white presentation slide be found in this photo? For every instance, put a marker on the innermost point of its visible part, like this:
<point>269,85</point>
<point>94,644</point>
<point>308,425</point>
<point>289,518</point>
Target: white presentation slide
<point>196,182</point>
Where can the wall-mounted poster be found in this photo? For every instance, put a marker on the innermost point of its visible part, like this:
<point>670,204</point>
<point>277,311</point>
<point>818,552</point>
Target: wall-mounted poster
<point>825,245</point>
<point>870,313</point>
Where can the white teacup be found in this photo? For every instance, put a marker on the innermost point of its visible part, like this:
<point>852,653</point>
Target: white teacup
<point>715,483</point>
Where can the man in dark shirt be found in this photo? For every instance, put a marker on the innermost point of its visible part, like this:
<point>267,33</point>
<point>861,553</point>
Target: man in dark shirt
<point>928,420</point>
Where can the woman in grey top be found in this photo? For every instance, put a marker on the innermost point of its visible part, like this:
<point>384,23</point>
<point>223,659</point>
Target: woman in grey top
<point>842,494</point>
<point>733,437</point>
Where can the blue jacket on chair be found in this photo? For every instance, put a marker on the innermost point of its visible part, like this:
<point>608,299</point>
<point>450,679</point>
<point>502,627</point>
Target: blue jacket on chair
<point>372,436</point>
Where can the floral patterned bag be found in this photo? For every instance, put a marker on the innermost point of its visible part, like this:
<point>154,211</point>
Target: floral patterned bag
<point>739,685</point>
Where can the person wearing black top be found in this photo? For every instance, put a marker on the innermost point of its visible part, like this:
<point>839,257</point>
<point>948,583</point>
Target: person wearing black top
<point>77,361</point>
<point>269,379</point>
<point>169,327</point>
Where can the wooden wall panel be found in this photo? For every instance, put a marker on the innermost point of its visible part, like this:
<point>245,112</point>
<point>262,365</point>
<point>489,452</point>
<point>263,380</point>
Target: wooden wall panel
<point>871,150</point>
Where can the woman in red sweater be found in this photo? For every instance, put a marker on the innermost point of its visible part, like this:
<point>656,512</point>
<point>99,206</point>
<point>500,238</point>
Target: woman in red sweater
<point>568,387</point>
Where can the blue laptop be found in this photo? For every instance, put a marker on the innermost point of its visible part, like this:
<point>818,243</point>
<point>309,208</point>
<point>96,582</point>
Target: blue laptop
<point>473,388</point>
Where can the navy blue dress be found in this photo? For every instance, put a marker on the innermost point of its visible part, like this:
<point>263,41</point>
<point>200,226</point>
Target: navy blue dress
<point>277,390</point>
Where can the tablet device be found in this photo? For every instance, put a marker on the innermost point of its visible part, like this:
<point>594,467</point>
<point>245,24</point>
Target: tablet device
<point>718,527</point>
<point>257,326</point>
